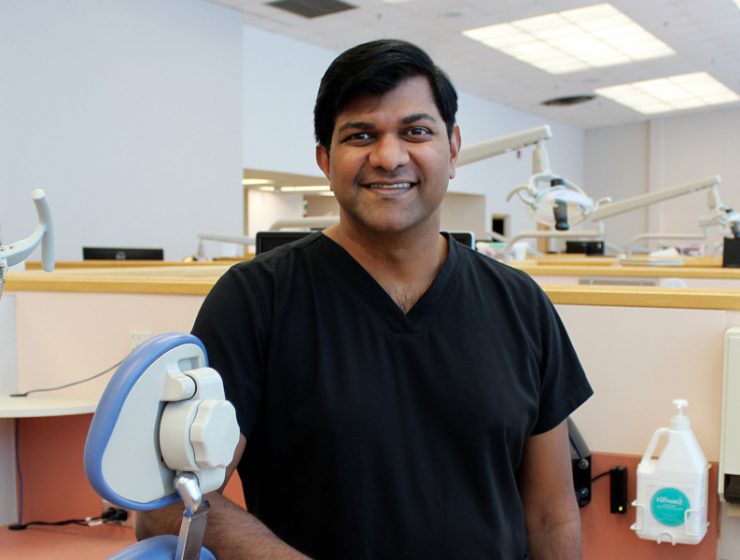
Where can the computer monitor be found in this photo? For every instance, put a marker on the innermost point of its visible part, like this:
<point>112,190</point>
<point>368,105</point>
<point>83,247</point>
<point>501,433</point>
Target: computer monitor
<point>122,254</point>
<point>266,240</point>
<point>467,238</point>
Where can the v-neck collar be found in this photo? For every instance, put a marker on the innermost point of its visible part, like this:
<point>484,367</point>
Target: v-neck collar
<point>379,302</point>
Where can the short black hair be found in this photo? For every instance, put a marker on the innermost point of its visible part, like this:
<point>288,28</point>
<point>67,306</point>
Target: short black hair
<point>375,68</point>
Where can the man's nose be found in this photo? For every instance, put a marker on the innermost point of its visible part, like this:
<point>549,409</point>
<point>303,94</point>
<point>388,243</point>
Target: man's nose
<point>389,152</point>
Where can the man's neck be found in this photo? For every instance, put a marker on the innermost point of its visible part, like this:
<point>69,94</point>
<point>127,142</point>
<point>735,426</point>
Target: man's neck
<point>404,264</point>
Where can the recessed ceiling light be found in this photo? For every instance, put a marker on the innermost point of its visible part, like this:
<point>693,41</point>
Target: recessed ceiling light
<point>671,94</point>
<point>572,40</point>
<point>403,1</point>
<point>252,182</point>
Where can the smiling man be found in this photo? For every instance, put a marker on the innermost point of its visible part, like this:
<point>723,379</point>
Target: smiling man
<point>399,395</point>
<point>389,160</point>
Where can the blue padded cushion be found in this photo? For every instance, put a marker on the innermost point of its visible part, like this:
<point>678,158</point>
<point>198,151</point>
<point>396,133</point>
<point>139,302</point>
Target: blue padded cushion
<point>156,548</point>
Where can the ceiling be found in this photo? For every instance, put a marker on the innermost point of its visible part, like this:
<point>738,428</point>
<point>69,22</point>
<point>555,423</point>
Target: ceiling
<point>705,34</point>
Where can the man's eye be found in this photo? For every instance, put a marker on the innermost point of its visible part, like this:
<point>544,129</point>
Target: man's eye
<point>418,131</point>
<point>358,137</point>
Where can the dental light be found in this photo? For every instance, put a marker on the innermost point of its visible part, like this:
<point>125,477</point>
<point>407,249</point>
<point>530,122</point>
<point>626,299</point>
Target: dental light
<point>718,212</point>
<point>721,215</point>
<point>560,204</point>
<point>43,234</point>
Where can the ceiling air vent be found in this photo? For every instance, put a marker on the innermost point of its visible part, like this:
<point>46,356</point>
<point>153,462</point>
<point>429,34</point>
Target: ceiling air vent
<point>311,8</point>
<point>569,100</point>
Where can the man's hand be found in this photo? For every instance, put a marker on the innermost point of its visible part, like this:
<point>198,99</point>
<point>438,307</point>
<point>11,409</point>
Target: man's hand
<point>231,532</point>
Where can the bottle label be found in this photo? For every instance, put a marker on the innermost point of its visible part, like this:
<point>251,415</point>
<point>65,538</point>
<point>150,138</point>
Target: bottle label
<point>669,506</point>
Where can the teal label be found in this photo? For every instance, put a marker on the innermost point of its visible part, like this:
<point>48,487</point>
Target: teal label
<point>668,506</point>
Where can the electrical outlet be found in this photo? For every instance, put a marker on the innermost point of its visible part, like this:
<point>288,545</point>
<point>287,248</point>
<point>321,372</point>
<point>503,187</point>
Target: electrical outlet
<point>130,520</point>
<point>137,338</point>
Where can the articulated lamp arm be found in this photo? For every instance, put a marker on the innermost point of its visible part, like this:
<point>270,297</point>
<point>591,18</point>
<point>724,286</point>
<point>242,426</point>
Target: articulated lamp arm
<point>609,209</point>
<point>14,253</point>
<point>503,144</point>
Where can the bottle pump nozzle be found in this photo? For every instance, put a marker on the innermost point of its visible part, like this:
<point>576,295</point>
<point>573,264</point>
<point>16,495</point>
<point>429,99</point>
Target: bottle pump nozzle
<point>680,421</point>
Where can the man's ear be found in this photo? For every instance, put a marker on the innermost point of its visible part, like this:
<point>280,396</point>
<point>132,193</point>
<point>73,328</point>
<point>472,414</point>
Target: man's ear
<point>455,142</point>
<point>322,159</point>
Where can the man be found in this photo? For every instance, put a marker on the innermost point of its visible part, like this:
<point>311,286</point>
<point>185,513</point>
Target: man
<point>401,395</point>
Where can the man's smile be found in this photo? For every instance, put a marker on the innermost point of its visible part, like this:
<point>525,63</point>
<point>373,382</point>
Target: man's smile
<point>397,186</point>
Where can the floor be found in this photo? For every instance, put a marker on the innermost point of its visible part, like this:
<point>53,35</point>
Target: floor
<point>64,543</point>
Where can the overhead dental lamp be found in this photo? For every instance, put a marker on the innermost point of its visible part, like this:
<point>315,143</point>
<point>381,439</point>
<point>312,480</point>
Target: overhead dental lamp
<point>14,253</point>
<point>721,215</point>
<point>560,205</point>
<point>718,212</point>
<point>552,200</point>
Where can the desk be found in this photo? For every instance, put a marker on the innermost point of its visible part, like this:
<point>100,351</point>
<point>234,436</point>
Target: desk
<point>38,407</point>
<point>65,543</point>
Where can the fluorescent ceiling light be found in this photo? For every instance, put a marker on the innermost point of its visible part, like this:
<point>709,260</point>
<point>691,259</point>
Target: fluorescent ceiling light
<point>591,37</point>
<point>403,1</point>
<point>256,181</point>
<point>305,188</point>
<point>671,94</point>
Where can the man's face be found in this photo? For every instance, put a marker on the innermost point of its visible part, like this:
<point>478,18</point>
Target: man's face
<point>390,160</point>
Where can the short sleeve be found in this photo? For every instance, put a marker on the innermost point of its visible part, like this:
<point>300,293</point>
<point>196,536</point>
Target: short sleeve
<point>564,386</point>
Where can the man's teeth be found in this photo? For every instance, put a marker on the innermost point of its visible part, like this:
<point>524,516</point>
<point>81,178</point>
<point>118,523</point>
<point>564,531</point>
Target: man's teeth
<point>394,186</point>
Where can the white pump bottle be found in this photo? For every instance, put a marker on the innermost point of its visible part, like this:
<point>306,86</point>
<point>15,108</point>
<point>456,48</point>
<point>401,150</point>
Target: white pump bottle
<point>671,499</point>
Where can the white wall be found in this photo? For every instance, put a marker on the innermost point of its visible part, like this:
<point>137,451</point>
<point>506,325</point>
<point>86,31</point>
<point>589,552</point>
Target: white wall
<point>128,113</point>
<point>616,165</point>
<point>633,159</point>
<point>278,124</point>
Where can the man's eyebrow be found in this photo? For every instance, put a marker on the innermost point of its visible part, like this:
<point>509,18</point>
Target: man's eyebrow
<point>357,125</point>
<point>364,125</point>
<point>419,117</point>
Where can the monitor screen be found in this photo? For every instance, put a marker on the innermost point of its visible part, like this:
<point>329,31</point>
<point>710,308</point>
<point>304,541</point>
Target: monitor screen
<point>266,240</point>
<point>122,254</point>
<point>467,238</point>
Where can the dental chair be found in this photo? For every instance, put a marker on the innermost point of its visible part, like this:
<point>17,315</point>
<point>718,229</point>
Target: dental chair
<point>163,433</point>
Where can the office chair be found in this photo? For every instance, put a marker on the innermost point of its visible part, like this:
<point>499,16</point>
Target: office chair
<point>163,433</point>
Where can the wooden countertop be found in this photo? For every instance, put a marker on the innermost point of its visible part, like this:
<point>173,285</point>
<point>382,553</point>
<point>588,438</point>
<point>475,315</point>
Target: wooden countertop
<point>566,265</point>
<point>198,280</point>
<point>174,280</point>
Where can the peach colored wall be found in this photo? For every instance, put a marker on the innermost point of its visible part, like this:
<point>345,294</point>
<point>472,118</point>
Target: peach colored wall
<point>56,488</point>
<point>638,360</point>
<point>68,336</point>
<point>607,536</point>
<point>51,458</point>
<point>54,482</point>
